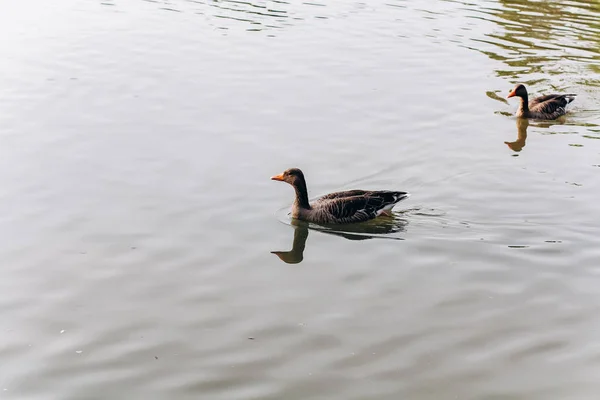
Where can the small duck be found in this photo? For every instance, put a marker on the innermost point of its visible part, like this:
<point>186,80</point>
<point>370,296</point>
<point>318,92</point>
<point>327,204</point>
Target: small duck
<point>550,106</point>
<point>341,207</point>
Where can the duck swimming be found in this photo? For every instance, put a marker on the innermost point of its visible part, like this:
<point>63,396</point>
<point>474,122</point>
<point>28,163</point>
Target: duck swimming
<point>550,106</point>
<point>341,207</point>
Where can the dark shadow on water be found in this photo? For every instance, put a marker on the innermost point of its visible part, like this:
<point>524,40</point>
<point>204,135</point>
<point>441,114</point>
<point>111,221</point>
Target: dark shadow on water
<point>378,228</point>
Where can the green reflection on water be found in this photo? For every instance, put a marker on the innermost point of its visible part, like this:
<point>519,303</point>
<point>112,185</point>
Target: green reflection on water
<point>538,39</point>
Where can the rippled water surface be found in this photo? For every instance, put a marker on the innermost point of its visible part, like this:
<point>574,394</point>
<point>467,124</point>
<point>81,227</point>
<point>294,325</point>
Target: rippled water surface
<point>143,250</point>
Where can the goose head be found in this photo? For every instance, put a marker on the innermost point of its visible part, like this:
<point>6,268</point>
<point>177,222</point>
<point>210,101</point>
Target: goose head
<point>293,176</point>
<point>518,91</point>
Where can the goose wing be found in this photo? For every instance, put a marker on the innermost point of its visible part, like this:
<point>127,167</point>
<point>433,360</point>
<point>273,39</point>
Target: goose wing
<point>542,99</point>
<point>363,207</point>
<point>338,195</point>
<point>551,103</point>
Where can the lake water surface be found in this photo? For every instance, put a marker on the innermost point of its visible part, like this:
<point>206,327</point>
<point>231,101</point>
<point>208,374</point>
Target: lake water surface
<point>138,220</point>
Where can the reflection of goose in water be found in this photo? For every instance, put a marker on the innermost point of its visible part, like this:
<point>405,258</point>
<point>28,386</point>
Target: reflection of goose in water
<point>363,231</point>
<point>296,254</point>
<point>522,125</point>
<point>517,145</point>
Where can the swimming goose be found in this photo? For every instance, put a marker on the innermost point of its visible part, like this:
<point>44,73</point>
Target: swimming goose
<point>341,207</point>
<point>550,106</point>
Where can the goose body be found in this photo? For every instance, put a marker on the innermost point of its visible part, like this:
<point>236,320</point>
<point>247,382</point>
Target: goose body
<point>350,206</point>
<point>550,106</point>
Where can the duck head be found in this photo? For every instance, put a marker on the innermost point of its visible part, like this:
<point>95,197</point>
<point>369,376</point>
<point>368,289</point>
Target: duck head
<point>518,91</point>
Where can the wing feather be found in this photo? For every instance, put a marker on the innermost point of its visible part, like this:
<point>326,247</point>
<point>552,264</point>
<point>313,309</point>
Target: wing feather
<point>552,105</point>
<point>336,208</point>
<point>542,99</point>
<point>347,193</point>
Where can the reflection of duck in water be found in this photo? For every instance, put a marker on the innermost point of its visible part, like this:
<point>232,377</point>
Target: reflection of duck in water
<point>338,208</point>
<point>550,106</point>
<point>363,231</point>
<point>517,145</point>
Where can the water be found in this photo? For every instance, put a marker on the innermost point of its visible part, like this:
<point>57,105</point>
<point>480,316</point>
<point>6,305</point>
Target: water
<point>139,220</point>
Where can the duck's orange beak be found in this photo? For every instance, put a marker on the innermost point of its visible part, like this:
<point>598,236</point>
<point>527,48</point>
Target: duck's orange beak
<point>511,94</point>
<point>277,177</point>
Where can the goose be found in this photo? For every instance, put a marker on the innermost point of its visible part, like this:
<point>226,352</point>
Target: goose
<point>350,206</point>
<point>550,106</point>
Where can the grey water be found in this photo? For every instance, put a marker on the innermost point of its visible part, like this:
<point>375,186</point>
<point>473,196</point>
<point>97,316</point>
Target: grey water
<point>143,254</point>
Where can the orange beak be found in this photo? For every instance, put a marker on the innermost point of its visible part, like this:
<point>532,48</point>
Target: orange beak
<point>511,94</point>
<point>277,177</point>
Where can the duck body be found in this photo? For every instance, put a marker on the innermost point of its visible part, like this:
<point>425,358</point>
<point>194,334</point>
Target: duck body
<point>351,206</point>
<point>547,107</point>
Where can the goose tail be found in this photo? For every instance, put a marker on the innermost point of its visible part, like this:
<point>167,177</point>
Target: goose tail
<point>570,97</point>
<point>396,197</point>
<point>399,196</point>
